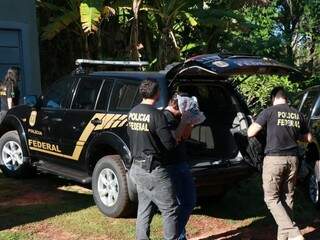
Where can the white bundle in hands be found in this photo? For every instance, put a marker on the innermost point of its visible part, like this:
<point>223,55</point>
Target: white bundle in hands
<point>190,111</point>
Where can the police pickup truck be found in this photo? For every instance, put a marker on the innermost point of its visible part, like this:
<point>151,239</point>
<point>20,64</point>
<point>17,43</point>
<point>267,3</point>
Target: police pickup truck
<point>77,129</point>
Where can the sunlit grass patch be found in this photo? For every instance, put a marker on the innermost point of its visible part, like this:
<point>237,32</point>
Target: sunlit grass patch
<point>8,235</point>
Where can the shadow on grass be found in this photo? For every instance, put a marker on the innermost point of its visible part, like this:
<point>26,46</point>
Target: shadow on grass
<point>260,230</point>
<point>246,201</point>
<point>18,207</point>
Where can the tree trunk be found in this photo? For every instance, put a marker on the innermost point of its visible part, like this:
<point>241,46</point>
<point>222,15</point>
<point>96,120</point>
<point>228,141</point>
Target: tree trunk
<point>311,64</point>
<point>86,46</point>
<point>134,36</point>
<point>163,53</point>
<point>147,42</point>
<point>168,47</point>
<point>99,47</point>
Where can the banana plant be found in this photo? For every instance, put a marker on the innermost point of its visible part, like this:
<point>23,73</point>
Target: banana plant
<point>83,17</point>
<point>92,13</point>
<point>65,16</point>
<point>167,12</point>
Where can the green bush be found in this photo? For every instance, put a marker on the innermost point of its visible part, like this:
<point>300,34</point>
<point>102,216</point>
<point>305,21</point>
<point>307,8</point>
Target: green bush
<point>256,89</point>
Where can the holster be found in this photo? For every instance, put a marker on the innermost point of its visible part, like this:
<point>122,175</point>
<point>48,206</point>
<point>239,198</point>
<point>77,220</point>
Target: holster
<point>145,162</point>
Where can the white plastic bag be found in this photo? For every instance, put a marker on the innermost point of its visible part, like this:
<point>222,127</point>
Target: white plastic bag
<point>190,111</point>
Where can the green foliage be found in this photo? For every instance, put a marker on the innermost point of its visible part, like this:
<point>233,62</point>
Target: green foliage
<point>65,17</point>
<point>166,31</point>
<point>313,80</point>
<point>257,88</point>
<point>92,13</point>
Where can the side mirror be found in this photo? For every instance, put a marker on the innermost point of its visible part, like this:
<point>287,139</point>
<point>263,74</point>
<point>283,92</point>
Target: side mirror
<point>30,100</point>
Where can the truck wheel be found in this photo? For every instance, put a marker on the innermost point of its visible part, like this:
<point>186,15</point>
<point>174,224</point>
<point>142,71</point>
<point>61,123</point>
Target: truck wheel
<point>314,189</point>
<point>11,156</point>
<point>110,189</point>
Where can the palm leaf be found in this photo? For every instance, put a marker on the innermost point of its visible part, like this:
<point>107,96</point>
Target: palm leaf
<point>90,15</point>
<point>59,24</point>
<point>191,19</point>
<point>190,46</point>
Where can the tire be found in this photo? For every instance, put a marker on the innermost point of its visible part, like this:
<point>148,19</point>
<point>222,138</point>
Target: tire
<point>314,190</point>
<point>110,188</point>
<point>12,157</point>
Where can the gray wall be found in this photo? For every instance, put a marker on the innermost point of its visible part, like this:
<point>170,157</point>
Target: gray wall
<point>19,42</point>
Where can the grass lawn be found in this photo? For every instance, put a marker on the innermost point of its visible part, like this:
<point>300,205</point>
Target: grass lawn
<point>46,207</point>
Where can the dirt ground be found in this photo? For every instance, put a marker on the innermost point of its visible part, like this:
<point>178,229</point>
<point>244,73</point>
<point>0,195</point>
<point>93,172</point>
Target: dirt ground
<point>37,209</point>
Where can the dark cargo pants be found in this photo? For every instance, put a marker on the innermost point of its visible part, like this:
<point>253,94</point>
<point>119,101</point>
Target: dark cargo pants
<point>186,194</point>
<point>155,188</point>
<point>279,179</point>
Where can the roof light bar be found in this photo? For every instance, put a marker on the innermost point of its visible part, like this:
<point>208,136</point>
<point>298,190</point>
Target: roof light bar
<point>80,62</point>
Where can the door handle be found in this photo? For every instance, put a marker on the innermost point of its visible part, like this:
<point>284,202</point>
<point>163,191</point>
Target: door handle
<point>56,119</point>
<point>96,121</point>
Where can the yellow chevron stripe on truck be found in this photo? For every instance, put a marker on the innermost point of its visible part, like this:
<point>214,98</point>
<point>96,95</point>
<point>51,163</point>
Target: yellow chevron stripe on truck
<point>108,121</point>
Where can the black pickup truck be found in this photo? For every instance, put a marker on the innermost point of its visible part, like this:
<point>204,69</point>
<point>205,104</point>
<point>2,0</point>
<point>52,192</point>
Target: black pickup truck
<point>77,129</point>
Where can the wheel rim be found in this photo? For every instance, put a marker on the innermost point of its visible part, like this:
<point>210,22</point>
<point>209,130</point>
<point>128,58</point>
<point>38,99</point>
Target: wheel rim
<point>12,155</point>
<point>314,189</point>
<point>108,187</point>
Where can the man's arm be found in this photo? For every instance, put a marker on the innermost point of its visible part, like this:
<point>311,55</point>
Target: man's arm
<point>164,133</point>
<point>253,129</point>
<point>9,101</point>
<point>260,122</point>
<point>10,95</point>
<point>307,137</point>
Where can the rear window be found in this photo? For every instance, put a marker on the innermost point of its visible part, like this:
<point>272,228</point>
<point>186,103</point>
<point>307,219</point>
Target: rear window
<point>87,93</point>
<point>124,96</point>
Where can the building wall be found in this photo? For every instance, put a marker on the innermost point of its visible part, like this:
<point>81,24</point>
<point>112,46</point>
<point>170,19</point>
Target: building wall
<point>19,42</point>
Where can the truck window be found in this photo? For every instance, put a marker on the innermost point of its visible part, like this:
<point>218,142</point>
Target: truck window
<point>308,103</point>
<point>104,95</point>
<point>316,111</point>
<point>87,93</point>
<point>124,96</point>
<point>58,94</point>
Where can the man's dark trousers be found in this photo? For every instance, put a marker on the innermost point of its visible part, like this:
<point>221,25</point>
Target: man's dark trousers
<point>155,188</point>
<point>186,194</point>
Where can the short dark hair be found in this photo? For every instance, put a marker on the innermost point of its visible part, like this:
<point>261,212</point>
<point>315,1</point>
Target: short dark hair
<point>278,92</point>
<point>149,88</point>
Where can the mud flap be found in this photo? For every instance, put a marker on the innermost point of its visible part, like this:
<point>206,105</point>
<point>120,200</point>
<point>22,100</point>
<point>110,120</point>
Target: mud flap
<point>252,149</point>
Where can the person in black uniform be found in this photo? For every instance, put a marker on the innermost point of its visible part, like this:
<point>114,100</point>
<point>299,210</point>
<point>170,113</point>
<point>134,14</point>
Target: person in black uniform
<point>9,91</point>
<point>150,143</point>
<point>180,170</point>
<point>284,126</point>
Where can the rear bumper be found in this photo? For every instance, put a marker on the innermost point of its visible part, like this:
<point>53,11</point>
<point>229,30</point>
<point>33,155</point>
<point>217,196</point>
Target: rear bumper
<point>216,181</point>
